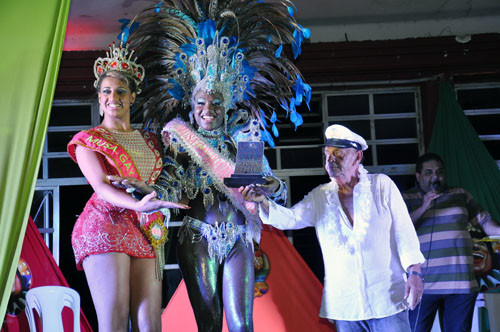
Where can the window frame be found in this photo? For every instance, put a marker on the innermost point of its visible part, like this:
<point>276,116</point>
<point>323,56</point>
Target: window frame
<point>484,111</point>
<point>392,169</point>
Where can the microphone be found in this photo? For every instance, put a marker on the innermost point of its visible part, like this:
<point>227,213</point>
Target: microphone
<point>436,186</point>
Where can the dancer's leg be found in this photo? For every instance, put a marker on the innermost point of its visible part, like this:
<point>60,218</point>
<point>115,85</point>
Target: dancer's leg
<point>108,277</point>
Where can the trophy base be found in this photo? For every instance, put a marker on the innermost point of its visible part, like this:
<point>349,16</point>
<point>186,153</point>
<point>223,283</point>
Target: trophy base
<point>236,181</point>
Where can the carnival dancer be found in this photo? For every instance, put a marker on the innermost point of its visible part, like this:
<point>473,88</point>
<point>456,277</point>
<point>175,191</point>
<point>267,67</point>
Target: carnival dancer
<point>108,241</point>
<point>221,61</point>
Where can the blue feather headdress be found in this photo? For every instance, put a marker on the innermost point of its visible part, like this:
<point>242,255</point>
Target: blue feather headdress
<point>233,47</point>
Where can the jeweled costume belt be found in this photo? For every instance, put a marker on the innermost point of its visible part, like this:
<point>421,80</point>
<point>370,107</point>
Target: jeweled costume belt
<point>220,237</point>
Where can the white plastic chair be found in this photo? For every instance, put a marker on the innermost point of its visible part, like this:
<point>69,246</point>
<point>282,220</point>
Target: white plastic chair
<point>49,302</point>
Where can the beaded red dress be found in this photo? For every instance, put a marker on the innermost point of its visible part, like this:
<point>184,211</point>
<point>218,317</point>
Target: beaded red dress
<point>103,227</point>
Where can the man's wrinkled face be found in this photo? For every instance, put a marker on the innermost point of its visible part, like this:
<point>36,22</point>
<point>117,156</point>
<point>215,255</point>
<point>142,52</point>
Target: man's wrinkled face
<point>432,172</point>
<point>341,161</point>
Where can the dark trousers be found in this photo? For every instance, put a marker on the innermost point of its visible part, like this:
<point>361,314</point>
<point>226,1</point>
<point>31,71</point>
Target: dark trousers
<point>456,311</point>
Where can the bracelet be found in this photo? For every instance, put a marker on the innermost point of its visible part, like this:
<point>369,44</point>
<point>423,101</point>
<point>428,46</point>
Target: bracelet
<point>415,273</point>
<point>279,191</point>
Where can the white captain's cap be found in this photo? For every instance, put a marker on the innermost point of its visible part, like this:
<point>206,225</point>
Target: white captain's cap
<point>342,137</point>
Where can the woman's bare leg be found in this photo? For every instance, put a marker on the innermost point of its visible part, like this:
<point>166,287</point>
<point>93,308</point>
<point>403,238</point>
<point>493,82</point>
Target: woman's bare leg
<point>108,277</point>
<point>145,290</point>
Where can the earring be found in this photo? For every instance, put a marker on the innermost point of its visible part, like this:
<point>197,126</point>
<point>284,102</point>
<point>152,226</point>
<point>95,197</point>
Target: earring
<point>101,112</point>
<point>191,117</point>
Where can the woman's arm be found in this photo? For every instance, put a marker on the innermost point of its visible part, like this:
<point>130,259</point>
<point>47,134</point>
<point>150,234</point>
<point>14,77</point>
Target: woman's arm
<point>91,167</point>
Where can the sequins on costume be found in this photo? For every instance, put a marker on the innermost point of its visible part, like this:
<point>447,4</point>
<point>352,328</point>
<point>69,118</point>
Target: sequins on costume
<point>103,227</point>
<point>220,237</point>
<point>194,179</point>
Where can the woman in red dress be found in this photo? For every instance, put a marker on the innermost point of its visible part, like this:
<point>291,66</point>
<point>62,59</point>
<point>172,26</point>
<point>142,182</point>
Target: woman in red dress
<point>118,260</point>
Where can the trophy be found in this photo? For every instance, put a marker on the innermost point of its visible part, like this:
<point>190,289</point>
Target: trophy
<point>248,166</point>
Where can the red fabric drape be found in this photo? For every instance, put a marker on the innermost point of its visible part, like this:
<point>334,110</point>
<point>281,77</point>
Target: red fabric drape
<point>44,272</point>
<point>291,304</point>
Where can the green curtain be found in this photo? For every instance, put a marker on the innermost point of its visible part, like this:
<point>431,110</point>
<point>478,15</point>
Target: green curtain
<point>467,162</point>
<point>31,37</point>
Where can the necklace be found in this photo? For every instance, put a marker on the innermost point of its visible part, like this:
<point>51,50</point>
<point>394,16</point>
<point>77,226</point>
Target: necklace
<point>217,138</point>
<point>214,133</point>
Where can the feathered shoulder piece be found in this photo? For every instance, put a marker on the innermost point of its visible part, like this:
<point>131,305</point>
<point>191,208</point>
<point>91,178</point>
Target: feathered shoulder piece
<point>233,47</point>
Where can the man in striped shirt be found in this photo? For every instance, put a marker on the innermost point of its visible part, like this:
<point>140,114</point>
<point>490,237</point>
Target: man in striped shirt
<point>441,215</point>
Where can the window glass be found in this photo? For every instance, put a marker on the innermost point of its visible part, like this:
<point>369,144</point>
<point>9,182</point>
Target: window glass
<point>63,168</point>
<point>482,98</point>
<point>488,124</point>
<point>368,156</point>
<point>58,141</point>
<point>397,154</point>
<point>302,185</point>
<point>308,133</point>
<point>348,105</point>
<point>390,124</point>
<point>481,104</point>
<point>493,148</point>
<point>71,115</point>
<point>271,157</point>
<point>394,103</point>
<point>395,128</point>
<point>302,158</point>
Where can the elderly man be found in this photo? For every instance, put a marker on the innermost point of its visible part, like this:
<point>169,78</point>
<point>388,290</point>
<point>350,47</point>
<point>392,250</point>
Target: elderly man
<point>441,216</point>
<point>370,248</point>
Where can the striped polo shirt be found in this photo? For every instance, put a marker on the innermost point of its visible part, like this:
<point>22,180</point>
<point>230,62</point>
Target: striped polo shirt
<point>445,240</point>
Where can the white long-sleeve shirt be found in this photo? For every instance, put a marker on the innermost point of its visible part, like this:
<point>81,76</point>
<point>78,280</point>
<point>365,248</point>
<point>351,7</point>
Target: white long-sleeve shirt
<point>364,264</point>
